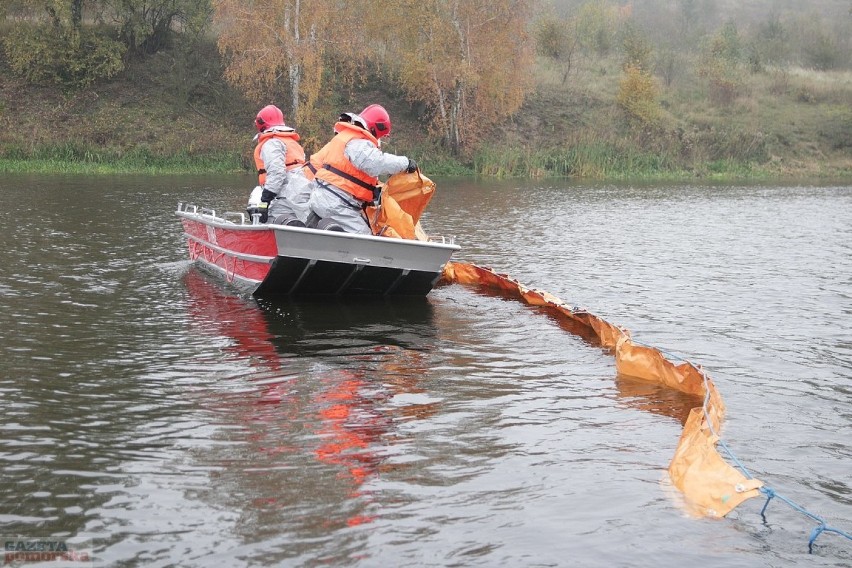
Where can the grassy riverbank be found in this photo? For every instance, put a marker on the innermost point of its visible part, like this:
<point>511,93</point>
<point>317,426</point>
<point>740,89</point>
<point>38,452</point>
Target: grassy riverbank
<point>172,113</point>
<point>70,160</point>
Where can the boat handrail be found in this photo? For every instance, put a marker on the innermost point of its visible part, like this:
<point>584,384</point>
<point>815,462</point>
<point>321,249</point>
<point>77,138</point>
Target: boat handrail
<point>244,220</point>
<point>187,208</point>
<point>192,209</point>
<point>239,214</point>
<point>442,239</point>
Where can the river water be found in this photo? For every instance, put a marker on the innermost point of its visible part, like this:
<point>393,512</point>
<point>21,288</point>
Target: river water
<point>168,421</point>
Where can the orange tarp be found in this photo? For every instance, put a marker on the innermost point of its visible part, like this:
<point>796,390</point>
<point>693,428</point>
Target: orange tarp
<point>404,198</point>
<point>711,486</point>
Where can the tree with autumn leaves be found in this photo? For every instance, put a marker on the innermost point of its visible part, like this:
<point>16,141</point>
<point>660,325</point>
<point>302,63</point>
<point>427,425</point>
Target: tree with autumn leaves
<point>282,48</point>
<point>468,61</point>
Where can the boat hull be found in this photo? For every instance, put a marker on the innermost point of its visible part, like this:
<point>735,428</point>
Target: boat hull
<point>277,260</point>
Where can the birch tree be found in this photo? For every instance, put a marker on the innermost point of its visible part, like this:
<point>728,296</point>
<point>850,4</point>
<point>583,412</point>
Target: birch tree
<point>278,48</point>
<point>470,61</point>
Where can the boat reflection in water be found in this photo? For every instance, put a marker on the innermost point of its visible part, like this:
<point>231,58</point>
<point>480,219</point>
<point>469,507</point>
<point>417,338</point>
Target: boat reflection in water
<point>319,391</point>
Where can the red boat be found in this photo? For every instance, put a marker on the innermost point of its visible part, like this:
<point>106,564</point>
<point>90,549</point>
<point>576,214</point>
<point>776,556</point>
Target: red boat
<point>270,260</point>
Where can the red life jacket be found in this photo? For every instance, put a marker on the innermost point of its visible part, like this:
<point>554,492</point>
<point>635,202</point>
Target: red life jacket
<point>332,166</point>
<point>295,153</point>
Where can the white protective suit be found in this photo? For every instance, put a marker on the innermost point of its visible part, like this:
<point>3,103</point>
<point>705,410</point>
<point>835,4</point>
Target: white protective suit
<point>293,199</point>
<point>291,187</point>
<point>333,204</point>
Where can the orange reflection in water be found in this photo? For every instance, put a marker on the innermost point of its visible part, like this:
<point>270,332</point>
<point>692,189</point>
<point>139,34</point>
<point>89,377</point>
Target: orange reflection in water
<point>349,427</point>
<point>654,398</point>
<point>348,409</point>
<point>356,422</point>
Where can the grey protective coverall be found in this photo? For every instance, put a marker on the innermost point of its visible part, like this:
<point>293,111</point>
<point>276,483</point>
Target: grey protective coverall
<point>336,205</point>
<point>291,187</point>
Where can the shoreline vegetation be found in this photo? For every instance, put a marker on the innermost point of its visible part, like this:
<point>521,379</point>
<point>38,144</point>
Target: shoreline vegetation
<point>164,166</point>
<point>594,162</point>
<point>613,93</point>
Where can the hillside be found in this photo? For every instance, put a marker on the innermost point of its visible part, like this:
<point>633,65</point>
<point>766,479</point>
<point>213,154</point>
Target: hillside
<point>173,112</point>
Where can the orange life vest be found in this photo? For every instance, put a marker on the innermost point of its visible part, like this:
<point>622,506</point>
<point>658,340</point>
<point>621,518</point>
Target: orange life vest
<point>314,162</point>
<point>295,153</point>
<point>332,166</point>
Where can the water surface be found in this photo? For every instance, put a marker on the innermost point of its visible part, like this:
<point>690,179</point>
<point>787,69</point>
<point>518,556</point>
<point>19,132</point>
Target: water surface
<point>175,423</point>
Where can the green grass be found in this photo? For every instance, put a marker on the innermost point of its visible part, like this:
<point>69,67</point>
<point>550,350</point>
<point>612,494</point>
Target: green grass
<point>435,162</point>
<point>590,161</point>
<point>619,161</point>
<point>90,168</point>
<point>73,157</point>
<point>593,160</point>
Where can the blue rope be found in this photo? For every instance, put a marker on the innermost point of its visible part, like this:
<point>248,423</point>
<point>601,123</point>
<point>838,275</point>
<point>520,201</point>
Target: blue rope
<point>770,493</point>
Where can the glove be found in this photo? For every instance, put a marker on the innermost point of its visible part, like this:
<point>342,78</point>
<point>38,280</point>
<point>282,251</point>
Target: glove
<point>267,196</point>
<point>264,211</point>
<point>412,166</point>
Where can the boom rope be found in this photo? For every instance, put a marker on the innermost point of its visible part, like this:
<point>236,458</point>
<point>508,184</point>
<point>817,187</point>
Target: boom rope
<point>696,455</point>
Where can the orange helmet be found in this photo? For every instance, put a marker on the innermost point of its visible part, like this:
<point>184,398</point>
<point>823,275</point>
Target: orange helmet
<point>267,117</point>
<point>377,119</point>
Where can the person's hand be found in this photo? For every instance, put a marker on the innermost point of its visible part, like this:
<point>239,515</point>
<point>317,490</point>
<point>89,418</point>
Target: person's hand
<point>264,211</point>
<point>267,196</point>
<point>412,166</point>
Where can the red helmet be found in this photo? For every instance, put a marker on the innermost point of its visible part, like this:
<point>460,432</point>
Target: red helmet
<point>377,119</point>
<point>267,117</point>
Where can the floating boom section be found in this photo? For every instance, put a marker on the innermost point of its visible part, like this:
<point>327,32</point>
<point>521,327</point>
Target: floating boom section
<point>710,485</point>
<point>403,199</point>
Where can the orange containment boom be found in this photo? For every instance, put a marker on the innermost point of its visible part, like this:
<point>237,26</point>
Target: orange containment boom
<point>710,485</point>
<point>403,199</point>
